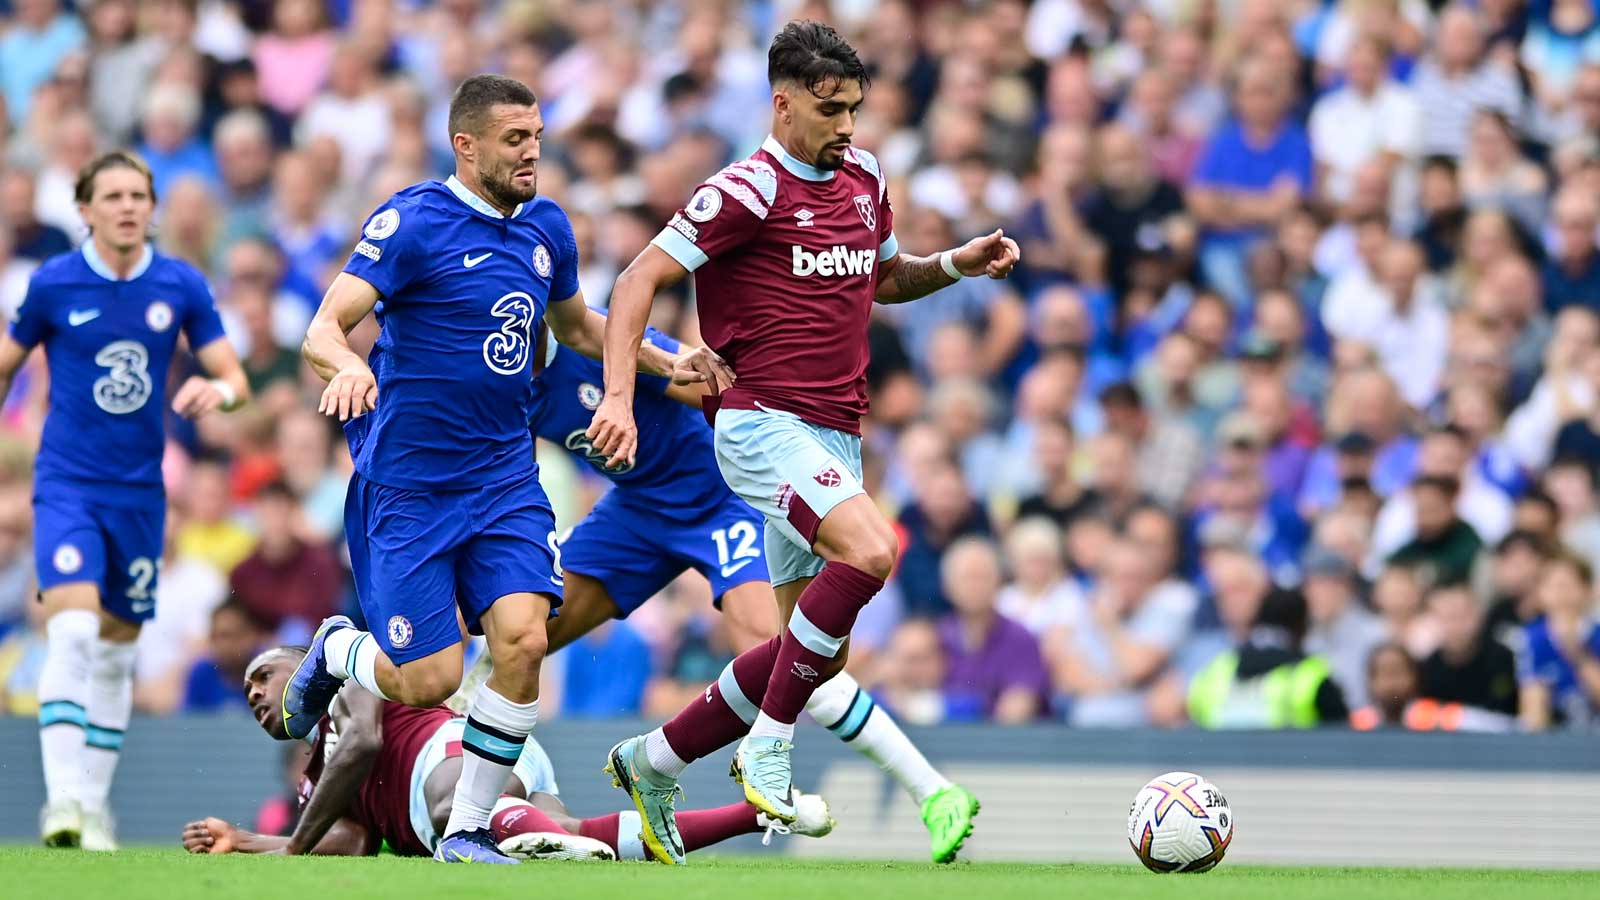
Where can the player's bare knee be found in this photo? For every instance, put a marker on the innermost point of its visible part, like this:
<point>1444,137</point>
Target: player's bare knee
<point>427,685</point>
<point>874,551</point>
<point>523,651</point>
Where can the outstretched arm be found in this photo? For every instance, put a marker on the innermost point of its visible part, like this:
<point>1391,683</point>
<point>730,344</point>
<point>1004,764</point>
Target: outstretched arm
<point>352,388</point>
<point>357,717</point>
<point>213,835</point>
<point>903,278</point>
<point>575,325</point>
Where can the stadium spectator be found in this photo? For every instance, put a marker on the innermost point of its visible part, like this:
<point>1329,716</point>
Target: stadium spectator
<point>244,158</point>
<point>1572,270</point>
<point>1103,663</point>
<point>1496,174</point>
<point>287,584</point>
<point>1371,117</point>
<point>1559,669</point>
<point>992,665</point>
<point>294,58</point>
<point>30,238</point>
<point>1040,596</point>
<point>1268,681</point>
<point>1342,630</point>
<point>1254,170</point>
<point>1457,78</point>
<point>1393,683</point>
<point>1470,667</point>
<point>944,511</point>
<point>912,687</point>
<point>171,145</point>
<point>212,685</point>
<point>1397,596</point>
<point>39,39</point>
<point>209,532</point>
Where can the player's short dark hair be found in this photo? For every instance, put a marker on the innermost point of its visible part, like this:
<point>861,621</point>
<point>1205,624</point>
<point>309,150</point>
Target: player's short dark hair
<point>813,55</point>
<point>470,105</point>
<point>83,189</point>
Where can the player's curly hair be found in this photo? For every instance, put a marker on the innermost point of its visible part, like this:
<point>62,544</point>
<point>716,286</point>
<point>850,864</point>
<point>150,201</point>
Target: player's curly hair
<point>470,105</point>
<point>83,188</point>
<point>812,54</point>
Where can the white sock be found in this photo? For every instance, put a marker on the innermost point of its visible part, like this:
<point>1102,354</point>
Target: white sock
<point>841,706</point>
<point>64,700</point>
<point>110,706</point>
<point>496,730</point>
<point>766,726</point>
<point>354,655</point>
<point>661,756</point>
<point>630,840</point>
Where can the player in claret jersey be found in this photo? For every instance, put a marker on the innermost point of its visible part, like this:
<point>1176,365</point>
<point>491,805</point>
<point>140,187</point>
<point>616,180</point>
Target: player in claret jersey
<point>789,248</point>
<point>385,773</point>
<point>109,317</point>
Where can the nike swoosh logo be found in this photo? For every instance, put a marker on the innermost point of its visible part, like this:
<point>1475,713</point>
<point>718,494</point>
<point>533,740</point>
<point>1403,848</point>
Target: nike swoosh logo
<point>469,260</point>
<point>734,567</point>
<point>79,316</point>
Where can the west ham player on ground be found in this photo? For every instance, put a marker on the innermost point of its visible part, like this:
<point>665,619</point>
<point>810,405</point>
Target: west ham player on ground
<point>789,249</point>
<point>444,510</point>
<point>382,772</point>
<point>668,511</point>
<point>109,316</point>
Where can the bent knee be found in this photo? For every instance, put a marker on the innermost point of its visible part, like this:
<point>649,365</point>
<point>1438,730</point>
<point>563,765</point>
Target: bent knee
<point>429,687</point>
<point>874,552</point>
<point>523,651</point>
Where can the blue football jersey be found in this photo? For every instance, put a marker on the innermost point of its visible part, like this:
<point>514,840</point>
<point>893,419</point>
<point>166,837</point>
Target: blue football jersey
<point>462,287</point>
<point>108,344</point>
<point>675,467</point>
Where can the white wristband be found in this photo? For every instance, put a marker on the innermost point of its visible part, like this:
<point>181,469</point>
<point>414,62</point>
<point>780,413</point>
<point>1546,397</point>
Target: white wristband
<point>947,262</point>
<point>230,397</point>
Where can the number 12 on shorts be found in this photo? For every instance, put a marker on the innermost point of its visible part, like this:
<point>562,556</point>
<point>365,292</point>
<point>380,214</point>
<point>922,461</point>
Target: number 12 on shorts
<point>740,539</point>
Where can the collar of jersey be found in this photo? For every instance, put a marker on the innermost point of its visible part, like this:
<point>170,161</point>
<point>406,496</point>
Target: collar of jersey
<point>92,257</point>
<point>793,164</point>
<point>465,195</point>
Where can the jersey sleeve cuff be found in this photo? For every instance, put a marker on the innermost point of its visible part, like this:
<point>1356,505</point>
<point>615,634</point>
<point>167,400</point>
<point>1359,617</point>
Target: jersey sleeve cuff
<point>679,248</point>
<point>889,248</point>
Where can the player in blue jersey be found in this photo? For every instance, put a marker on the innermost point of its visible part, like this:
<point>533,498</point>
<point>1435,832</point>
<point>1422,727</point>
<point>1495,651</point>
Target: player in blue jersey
<point>109,317</point>
<point>668,511</point>
<point>444,512</point>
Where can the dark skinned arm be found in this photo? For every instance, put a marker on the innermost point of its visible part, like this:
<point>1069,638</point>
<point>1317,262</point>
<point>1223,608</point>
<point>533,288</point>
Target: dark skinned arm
<point>357,717</point>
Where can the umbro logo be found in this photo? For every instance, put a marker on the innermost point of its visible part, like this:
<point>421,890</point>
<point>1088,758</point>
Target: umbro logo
<point>468,260</point>
<point>805,672</point>
<point>79,316</point>
<point>803,218</point>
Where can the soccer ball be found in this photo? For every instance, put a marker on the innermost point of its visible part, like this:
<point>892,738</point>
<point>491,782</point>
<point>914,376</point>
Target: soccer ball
<point>1180,822</point>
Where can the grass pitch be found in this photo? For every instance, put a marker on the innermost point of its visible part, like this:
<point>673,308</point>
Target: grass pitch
<point>161,874</point>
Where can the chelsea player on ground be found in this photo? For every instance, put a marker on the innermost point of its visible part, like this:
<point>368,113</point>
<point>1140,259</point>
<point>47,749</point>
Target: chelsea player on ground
<point>108,316</point>
<point>444,510</point>
<point>669,510</point>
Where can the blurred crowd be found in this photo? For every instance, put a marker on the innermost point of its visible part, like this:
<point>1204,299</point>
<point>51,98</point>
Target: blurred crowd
<point>1290,417</point>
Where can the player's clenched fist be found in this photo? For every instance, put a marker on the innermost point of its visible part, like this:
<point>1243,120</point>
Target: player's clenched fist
<point>210,835</point>
<point>351,392</point>
<point>699,365</point>
<point>992,254</point>
<point>197,397</point>
<point>613,432</point>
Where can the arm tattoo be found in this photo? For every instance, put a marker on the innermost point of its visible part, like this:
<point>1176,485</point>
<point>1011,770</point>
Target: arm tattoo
<point>918,276</point>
